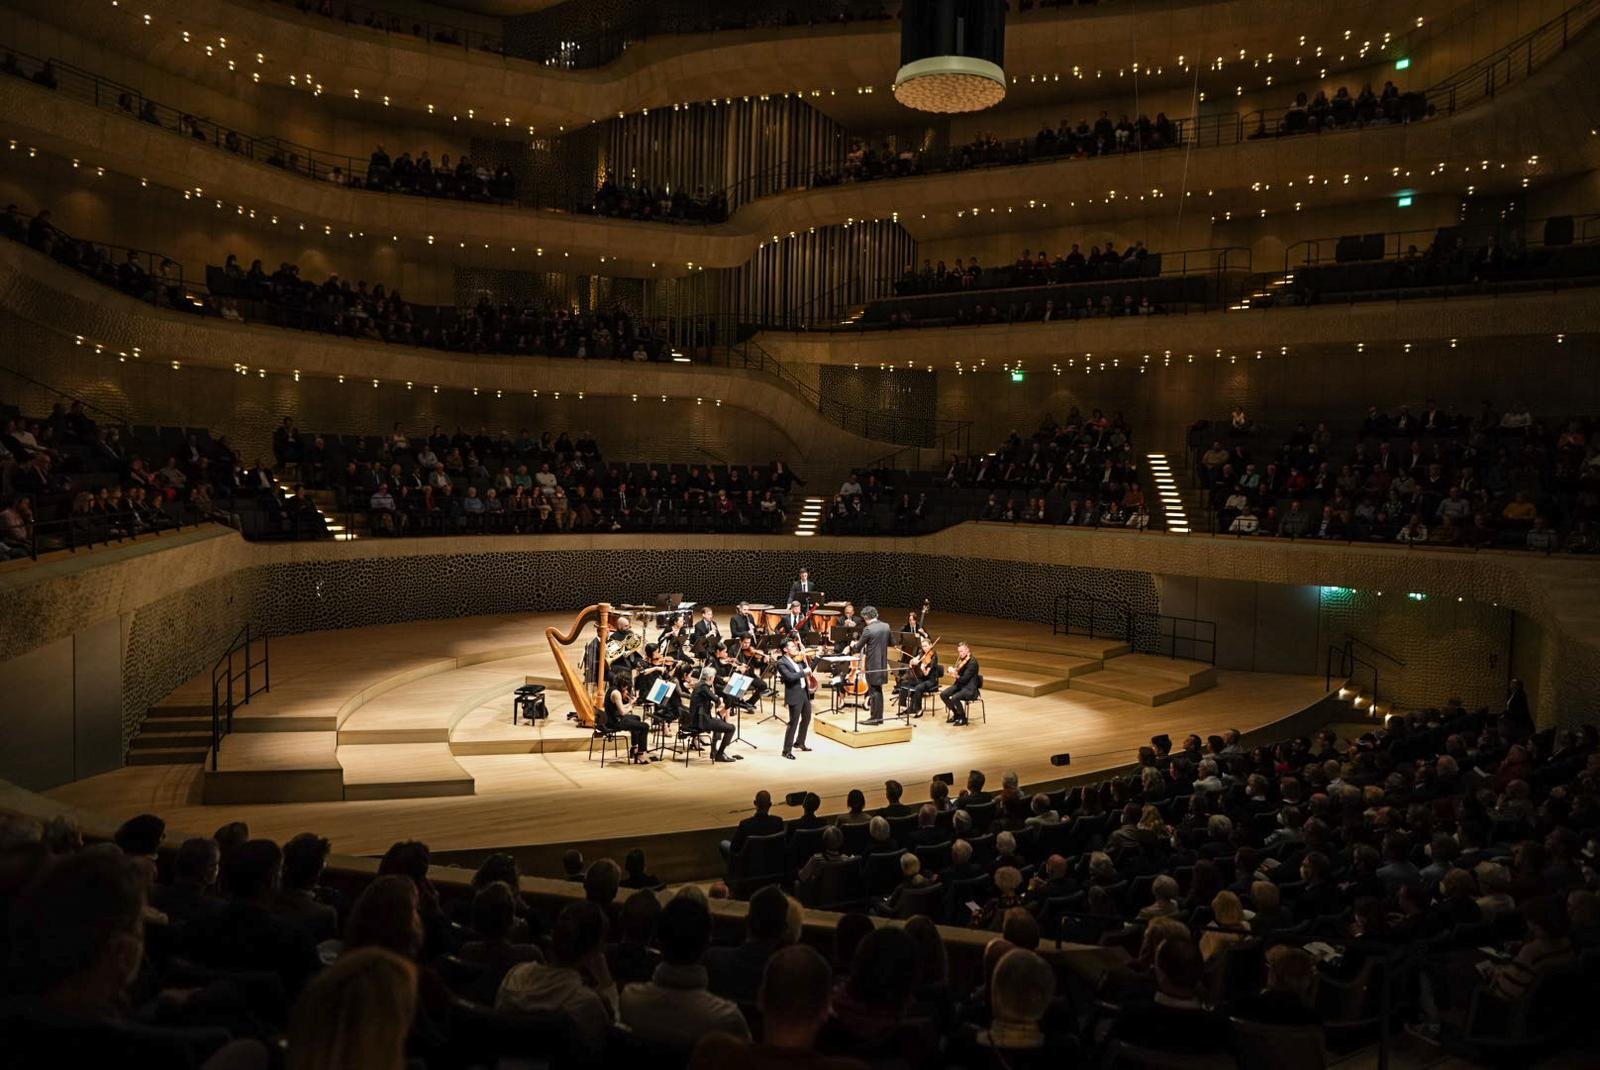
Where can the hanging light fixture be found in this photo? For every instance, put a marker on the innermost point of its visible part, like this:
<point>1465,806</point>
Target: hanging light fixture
<point>952,55</point>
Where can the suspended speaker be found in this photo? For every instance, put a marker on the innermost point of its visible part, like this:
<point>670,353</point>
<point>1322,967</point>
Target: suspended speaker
<point>952,55</point>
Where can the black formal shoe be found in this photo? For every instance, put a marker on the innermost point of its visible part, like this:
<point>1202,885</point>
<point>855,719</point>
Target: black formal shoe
<point>723,758</point>
<point>961,723</point>
<point>789,755</point>
<point>873,720</point>
<point>801,746</point>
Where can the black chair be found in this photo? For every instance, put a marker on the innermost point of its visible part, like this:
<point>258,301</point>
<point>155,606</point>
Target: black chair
<point>759,862</point>
<point>1270,1047</point>
<point>900,828</point>
<point>840,886</point>
<point>927,902</point>
<point>857,840</point>
<point>882,872</point>
<point>933,856</point>
<point>482,1037</point>
<point>608,737</point>
<point>803,843</point>
<point>982,815</point>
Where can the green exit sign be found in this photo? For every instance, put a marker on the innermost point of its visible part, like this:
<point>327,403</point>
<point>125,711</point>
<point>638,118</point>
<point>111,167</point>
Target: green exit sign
<point>1403,63</point>
<point>1017,375</point>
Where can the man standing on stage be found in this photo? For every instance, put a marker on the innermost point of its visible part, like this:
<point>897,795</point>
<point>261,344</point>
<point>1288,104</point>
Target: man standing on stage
<point>803,591</point>
<point>874,648</point>
<point>965,688</point>
<point>797,695</point>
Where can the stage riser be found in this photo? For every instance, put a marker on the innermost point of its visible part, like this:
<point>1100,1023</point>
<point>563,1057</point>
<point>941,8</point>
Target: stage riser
<point>866,736</point>
<point>1143,692</point>
<point>426,790</point>
<point>511,746</point>
<point>277,786</point>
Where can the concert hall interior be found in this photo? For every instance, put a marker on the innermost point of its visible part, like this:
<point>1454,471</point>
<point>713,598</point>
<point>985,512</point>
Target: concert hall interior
<point>915,533</point>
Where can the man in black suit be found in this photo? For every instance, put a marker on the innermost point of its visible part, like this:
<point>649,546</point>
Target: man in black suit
<point>792,619</point>
<point>804,591</point>
<point>706,625</point>
<point>874,648</point>
<point>892,791</point>
<point>741,623</point>
<point>973,794</point>
<point>965,687</point>
<point>703,716</point>
<point>761,823</point>
<point>797,696</point>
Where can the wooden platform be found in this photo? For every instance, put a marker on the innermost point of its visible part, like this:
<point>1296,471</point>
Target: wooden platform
<point>414,739</point>
<point>845,729</point>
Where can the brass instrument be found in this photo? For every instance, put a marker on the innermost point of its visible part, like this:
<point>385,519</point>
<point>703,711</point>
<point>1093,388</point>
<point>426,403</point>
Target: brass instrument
<point>587,694</point>
<point>632,643</point>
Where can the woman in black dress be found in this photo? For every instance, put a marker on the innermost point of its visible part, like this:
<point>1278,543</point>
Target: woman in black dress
<point>619,696</point>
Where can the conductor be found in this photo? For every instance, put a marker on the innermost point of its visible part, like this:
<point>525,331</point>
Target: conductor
<point>874,647</point>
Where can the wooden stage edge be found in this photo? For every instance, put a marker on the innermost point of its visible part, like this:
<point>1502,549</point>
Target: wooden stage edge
<point>436,758</point>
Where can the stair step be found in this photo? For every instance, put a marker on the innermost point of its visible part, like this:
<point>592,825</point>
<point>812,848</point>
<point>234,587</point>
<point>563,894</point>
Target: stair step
<point>169,725</point>
<point>1146,689</point>
<point>169,755</point>
<point>148,741</point>
<point>164,711</point>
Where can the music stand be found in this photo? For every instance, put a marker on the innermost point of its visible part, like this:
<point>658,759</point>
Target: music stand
<point>845,634</point>
<point>734,691</point>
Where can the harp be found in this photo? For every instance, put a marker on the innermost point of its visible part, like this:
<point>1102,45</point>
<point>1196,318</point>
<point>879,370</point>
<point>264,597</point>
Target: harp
<point>586,688</point>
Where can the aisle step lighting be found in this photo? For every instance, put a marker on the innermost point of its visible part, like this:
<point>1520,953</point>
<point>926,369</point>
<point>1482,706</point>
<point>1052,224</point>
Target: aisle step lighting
<point>1167,488</point>
<point>810,517</point>
<point>1269,291</point>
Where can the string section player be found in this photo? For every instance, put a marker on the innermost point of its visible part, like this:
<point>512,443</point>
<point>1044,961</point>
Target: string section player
<point>965,688</point>
<point>705,710</point>
<point>921,677</point>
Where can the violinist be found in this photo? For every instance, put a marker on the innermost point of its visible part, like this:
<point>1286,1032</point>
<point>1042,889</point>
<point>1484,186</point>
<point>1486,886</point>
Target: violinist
<point>657,666</point>
<point>966,685</point>
<point>704,715</point>
<point>921,677</point>
<point>797,693</point>
<point>755,664</point>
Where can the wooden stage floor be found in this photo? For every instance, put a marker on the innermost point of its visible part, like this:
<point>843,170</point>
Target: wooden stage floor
<point>424,709</point>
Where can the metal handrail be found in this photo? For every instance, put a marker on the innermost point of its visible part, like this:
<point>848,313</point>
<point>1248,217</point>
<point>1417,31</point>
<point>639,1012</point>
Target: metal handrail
<point>72,533</point>
<point>1348,660</point>
<point>1352,640</point>
<point>224,674</point>
<point>154,264</point>
<point>1485,77</point>
<point>1163,628</point>
<point>1397,243</point>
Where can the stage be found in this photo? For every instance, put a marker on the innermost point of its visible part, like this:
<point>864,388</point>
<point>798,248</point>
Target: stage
<point>405,731</point>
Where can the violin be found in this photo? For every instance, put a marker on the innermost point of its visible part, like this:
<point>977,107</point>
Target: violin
<point>922,664</point>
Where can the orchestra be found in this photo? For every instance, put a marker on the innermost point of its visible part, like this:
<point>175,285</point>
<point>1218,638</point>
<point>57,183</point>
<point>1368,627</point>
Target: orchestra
<point>687,677</point>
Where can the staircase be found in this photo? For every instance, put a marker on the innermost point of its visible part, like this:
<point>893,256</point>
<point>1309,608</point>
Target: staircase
<point>172,735</point>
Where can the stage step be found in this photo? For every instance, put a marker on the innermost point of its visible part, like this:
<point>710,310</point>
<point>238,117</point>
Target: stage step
<point>261,767</point>
<point>402,771</point>
<point>1004,680</point>
<point>1147,684</point>
<point>185,754</point>
<point>163,711</point>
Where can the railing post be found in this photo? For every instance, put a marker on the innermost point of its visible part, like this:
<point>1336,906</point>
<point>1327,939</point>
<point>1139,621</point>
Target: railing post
<point>216,713</point>
<point>247,660</point>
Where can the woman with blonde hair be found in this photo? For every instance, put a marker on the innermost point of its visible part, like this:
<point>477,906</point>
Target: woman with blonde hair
<point>1228,925</point>
<point>355,1014</point>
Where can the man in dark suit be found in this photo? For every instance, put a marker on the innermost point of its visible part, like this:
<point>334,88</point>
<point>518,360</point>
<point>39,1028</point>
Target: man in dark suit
<point>742,623</point>
<point>703,716</point>
<point>874,648</point>
<point>793,618</point>
<point>735,972</point>
<point>706,626</point>
<point>804,591</point>
<point>797,696</point>
<point>892,791</point>
<point>761,823</point>
<point>965,687</point>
